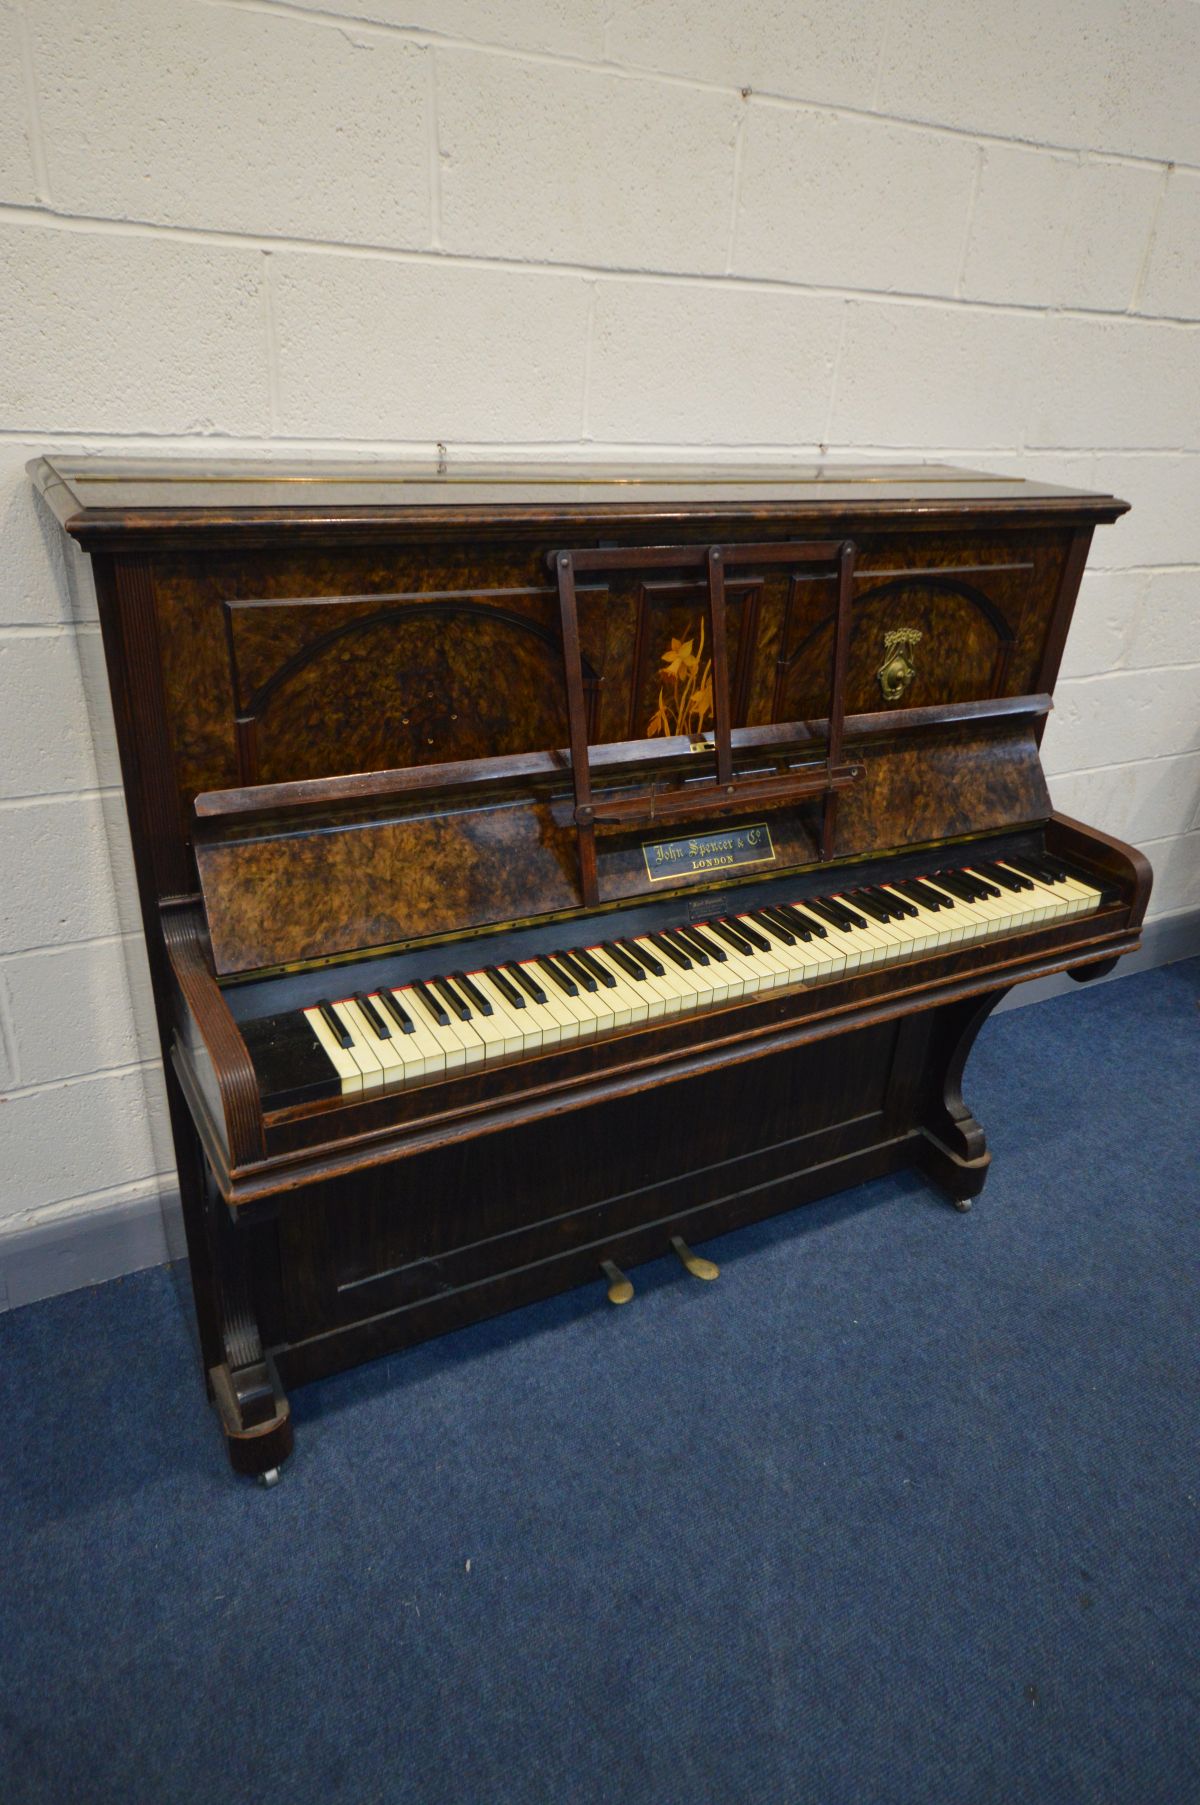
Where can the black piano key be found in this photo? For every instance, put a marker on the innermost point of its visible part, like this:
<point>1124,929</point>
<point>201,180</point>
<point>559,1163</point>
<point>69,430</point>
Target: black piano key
<point>527,981</point>
<point>374,1020</point>
<point>592,964</point>
<point>730,934</point>
<point>853,918</point>
<point>459,1004</point>
<point>877,911</point>
<point>674,938</point>
<point>686,938</point>
<point>986,884</point>
<point>835,917</point>
<point>950,880</point>
<point>899,908</point>
<point>757,940</point>
<point>668,948</point>
<point>776,928</point>
<point>565,983</point>
<point>893,908</point>
<point>867,899</point>
<point>1011,880</point>
<point>872,894</point>
<point>788,918</point>
<point>924,894</point>
<point>980,886</point>
<point>706,948</point>
<point>1028,868</point>
<point>398,1012</point>
<point>431,1003</point>
<point>1045,869</point>
<point>905,907</point>
<point>644,958</point>
<point>335,1024</point>
<point>574,970</point>
<point>805,925</point>
<point>624,959</point>
<point>472,993</point>
<point>506,987</point>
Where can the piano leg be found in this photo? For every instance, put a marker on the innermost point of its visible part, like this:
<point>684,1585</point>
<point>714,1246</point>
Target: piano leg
<point>252,1408</point>
<point>953,1152</point>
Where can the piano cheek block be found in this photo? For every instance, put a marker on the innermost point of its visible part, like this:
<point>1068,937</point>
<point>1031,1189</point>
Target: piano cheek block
<point>630,1010</point>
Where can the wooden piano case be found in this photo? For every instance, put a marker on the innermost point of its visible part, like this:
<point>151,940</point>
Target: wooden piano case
<point>364,709</point>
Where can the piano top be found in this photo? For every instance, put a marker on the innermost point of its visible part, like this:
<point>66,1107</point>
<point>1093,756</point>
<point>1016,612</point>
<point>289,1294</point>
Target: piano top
<point>99,499</point>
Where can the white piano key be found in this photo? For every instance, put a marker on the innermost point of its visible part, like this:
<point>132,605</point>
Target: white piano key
<point>448,1043</point>
<point>1036,902</point>
<point>346,1067</point>
<point>361,1053</point>
<point>559,1025</point>
<point>731,976</point>
<point>521,1033</point>
<point>432,1054</point>
<point>391,1059</point>
<point>875,934</point>
<point>675,996</point>
<point>928,935</point>
<point>628,1009</point>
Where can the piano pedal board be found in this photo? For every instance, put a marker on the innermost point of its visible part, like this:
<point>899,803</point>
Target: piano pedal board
<point>620,1285</point>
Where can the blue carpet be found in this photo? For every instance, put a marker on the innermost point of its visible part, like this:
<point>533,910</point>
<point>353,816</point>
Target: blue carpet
<point>903,1509</point>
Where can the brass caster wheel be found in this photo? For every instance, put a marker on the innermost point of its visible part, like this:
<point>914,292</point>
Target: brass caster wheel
<point>270,1477</point>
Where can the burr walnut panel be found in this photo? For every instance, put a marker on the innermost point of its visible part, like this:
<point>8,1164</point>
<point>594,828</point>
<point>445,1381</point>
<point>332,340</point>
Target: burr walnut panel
<point>969,620</point>
<point>335,659</point>
<point>370,683</point>
<point>440,865</point>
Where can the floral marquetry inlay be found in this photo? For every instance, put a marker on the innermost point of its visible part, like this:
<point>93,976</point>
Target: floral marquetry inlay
<point>685,688</point>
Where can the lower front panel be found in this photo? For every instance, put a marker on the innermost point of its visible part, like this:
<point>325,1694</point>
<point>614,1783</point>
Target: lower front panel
<point>393,1256</point>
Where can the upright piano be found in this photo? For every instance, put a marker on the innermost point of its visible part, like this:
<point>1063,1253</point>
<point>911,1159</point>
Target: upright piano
<point>544,869</point>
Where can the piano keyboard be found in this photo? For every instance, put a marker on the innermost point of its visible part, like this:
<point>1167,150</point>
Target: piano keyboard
<point>442,1026</point>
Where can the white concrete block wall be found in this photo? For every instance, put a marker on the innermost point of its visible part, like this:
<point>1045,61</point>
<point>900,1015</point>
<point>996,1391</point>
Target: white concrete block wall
<point>924,230</point>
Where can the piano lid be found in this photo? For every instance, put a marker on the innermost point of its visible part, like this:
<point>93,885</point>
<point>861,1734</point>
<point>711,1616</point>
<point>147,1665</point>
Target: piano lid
<point>100,498</point>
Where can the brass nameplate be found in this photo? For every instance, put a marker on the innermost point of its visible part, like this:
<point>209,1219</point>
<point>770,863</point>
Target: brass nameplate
<point>730,846</point>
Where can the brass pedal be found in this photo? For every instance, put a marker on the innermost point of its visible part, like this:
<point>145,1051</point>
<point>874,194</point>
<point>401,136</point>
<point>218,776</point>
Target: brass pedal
<point>620,1289</point>
<point>695,1263</point>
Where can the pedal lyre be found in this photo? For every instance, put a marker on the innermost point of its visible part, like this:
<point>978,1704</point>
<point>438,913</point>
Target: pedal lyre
<point>620,1289</point>
<point>695,1263</point>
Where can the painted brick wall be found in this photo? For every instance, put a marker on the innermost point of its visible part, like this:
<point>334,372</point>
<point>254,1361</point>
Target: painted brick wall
<point>913,229</point>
